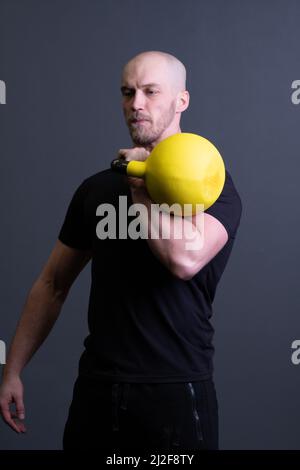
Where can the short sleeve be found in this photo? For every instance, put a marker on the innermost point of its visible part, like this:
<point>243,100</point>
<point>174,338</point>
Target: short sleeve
<point>228,207</point>
<point>75,231</point>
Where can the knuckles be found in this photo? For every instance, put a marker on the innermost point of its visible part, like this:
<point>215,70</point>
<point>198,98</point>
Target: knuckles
<point>136,153</point>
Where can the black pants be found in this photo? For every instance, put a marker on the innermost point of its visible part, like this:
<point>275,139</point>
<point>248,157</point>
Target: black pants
<point>142,417</point>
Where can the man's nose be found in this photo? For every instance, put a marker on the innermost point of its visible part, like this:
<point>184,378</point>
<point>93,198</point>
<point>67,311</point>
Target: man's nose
<point>138,100</point>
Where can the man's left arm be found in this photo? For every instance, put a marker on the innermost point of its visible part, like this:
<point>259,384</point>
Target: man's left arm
<point>200,239</point>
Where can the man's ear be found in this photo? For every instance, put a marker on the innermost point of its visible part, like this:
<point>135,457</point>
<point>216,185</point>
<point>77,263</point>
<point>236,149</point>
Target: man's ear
<point>182,102</point>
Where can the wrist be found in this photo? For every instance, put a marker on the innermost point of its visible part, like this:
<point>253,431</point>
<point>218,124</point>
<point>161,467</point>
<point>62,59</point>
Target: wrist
<point>139,192</point>
<point>9,373</point>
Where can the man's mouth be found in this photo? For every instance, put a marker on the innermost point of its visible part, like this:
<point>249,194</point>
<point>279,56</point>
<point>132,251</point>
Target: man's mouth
<point>138,121</point>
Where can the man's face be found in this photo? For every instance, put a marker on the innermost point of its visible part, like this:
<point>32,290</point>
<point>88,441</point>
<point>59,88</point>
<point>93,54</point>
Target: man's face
<point>149,101</point>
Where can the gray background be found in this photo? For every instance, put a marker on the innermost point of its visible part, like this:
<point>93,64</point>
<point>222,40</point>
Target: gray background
<point>61,62</point>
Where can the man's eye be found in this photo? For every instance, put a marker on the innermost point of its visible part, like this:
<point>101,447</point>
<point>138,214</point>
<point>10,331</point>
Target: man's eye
<point>127,93</point>
<point>152,92</point>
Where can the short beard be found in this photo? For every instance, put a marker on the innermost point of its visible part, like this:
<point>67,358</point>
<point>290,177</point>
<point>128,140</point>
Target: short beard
<point>145,138</point>
<point>142,140</point>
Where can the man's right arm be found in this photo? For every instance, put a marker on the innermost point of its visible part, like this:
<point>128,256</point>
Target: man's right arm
<point>41,310</point>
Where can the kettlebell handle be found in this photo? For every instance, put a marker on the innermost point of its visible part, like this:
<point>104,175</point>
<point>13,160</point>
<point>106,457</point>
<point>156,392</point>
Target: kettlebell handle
<point>119,166</point>
<point>130,168</point>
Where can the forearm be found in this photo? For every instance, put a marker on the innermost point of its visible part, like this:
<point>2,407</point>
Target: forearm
<point>39,314</point>
<point>177,254</point>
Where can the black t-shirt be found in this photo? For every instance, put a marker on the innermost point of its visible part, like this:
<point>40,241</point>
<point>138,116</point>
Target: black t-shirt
<point>145,324</point>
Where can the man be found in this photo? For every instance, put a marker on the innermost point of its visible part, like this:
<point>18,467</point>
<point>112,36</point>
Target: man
<point>146,376</point>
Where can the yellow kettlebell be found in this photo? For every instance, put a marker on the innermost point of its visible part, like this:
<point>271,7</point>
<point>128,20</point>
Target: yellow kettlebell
<point>184,169</point>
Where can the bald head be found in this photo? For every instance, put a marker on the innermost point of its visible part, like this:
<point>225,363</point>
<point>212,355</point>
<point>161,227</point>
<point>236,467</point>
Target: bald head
<point>154,96</point>
<point>173,70</point>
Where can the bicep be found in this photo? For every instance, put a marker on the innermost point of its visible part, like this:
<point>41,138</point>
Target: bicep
<point>63,266</point>
<point>214,237</point>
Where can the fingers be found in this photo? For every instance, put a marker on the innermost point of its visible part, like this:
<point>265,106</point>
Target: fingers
<point>19,416</point>
<point>20,407</point>
<point>19,423</point>
<point>13,419</point>
<point>136,153</point>
<point>122,153</point>
<point>8,418</point>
